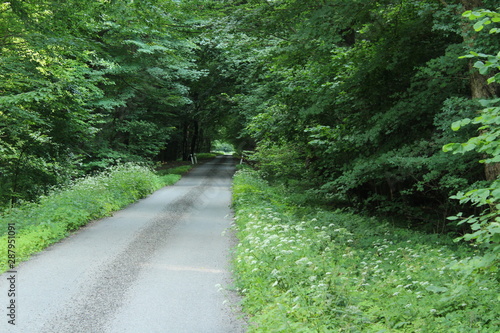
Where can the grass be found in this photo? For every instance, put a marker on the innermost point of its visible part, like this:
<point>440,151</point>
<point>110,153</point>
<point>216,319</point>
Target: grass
<point>184,166</point>
<point>38,225</point>
<point>303,269</point>
<point>206,156</point>
<point>178,170</point>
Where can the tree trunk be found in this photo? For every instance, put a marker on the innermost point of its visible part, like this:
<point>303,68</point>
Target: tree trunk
<point>480,89</point>
<point>194,138</point>
<point>185,138</point>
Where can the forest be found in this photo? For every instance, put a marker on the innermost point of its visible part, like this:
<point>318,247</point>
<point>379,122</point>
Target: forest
<point>378,107</point>
<point>352,100</point>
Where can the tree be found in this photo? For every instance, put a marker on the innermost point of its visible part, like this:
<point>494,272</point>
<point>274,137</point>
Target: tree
<point>87,85</point>
<point>364,93</point>
<point>44,109</point>
<point>485,226</point>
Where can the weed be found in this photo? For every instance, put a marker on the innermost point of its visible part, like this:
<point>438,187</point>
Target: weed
<point>303,269</point>
<point>180,170</point>
<point>43,223</point>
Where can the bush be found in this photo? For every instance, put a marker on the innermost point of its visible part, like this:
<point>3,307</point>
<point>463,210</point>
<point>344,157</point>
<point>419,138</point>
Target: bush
<point>206,156</point>
<point>40,224</point>
<point>303,269</point>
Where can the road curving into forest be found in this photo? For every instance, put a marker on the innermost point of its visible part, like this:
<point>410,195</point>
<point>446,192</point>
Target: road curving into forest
<point>160,265</point>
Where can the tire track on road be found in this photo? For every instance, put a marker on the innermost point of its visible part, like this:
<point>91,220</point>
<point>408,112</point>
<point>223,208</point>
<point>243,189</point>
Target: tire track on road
<point>102,296</point>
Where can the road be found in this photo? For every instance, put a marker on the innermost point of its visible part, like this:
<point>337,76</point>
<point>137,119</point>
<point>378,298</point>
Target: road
<point>160,265</point>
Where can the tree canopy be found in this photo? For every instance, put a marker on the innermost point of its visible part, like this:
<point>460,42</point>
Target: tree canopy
<point>85,85</point>
<point>357,98</point>
<point>352,101</point>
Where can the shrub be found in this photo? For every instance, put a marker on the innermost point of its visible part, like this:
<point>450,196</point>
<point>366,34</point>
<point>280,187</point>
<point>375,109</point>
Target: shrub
<point>303,269</point>
<point>206,156</point>
<point>40,224</point>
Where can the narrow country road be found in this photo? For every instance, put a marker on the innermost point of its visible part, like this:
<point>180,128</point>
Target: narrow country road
<point>160,265</point>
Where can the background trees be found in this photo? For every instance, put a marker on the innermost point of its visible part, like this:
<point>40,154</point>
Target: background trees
<point>356,99</point>
<point>88,85</point>
<point>350,101</point>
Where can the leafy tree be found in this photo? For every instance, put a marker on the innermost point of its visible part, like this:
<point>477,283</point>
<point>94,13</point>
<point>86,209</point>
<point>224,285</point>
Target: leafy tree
<point>363,93</point>
<point>46,86</point>
<point>86,85</point>
<point>486,225</point>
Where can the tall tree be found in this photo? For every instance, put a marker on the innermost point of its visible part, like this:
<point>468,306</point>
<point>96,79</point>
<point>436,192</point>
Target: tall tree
<point>85,85</point>
<point>362,92</point>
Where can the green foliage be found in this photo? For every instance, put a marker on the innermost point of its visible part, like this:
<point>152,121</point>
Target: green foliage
<point>486,225</point>
<point>302,269</point>
<point>86,86</point>
<point>341,97</point>
<point>40,224</point>
<point>205,156</point>
<point>180,170</point>
<point>486,17</point>
<point>279,161</point>
<point>221,146</point>
<point>488,141</point>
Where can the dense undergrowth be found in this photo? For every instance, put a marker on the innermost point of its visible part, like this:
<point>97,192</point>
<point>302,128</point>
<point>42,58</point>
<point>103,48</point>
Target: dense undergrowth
<point>53,217</point>
<point>304,269</point>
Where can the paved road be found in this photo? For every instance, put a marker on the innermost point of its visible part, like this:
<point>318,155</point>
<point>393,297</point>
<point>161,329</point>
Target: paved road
<point>157,266</point>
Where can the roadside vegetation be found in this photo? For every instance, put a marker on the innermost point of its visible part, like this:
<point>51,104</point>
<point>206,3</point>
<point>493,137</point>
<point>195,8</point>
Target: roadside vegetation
<point>307,269</point>
<point>42,223</point>
<point>374,204</point>
<point>206,156</point>
<point>88,85</point>
<point>385,108</point>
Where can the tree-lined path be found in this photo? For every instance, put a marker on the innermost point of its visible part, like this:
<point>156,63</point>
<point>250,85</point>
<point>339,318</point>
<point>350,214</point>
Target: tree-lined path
<point>157,266</point>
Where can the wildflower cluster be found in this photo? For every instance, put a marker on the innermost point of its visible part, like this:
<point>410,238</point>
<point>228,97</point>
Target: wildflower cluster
<point>310,270</point>
<point>49,220</point>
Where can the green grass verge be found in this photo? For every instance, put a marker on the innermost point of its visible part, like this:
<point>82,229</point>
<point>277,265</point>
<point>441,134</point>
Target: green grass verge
<point>206,156</point>
<point>179,170</point>
<point>182,169</point>
<point>37,225</point>
<point>305,269</point>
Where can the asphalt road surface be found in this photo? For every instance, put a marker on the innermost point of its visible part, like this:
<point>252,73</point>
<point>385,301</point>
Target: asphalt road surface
<point>160,265</point>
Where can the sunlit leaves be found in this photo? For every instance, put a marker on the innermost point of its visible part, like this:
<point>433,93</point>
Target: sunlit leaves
<point>81,73</point>
<point>483,18</point>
